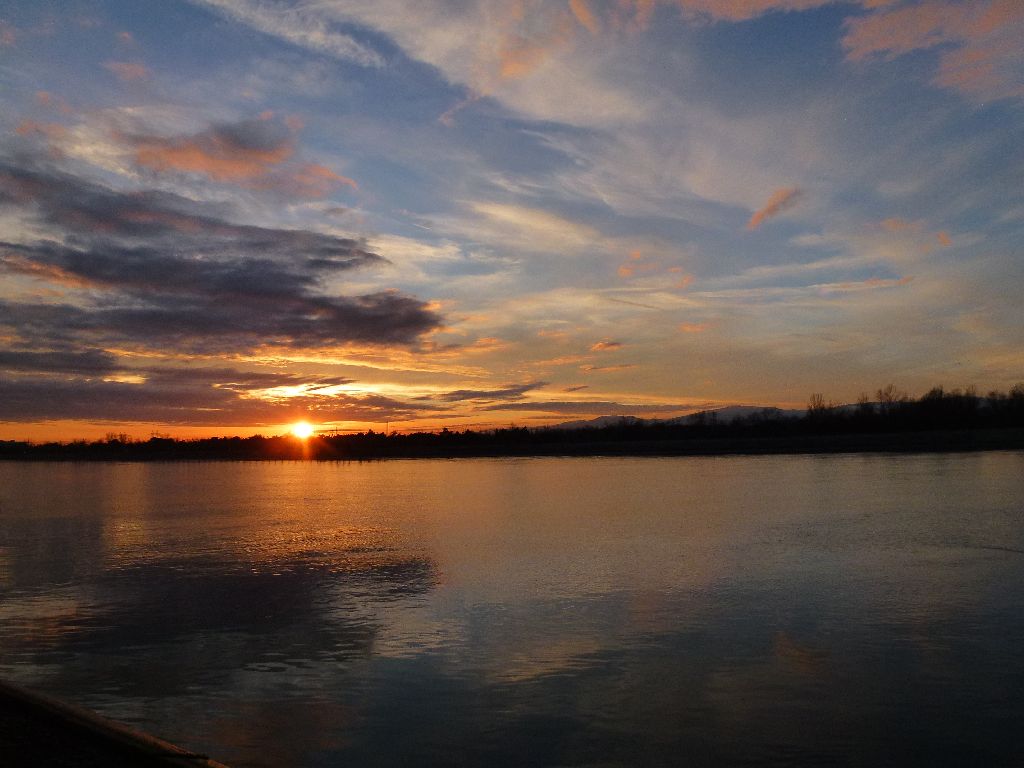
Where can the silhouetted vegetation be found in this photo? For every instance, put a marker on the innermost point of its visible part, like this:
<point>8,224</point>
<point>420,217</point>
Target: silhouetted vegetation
<point>939,420</point>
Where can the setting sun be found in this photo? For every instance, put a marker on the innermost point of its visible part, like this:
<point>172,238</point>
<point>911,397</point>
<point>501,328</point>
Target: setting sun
<point>302,429</point>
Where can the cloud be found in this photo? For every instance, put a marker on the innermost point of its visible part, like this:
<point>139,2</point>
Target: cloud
<point>8,34</point>
<point>511,392</point>
<point>522,53</point>
<point>896,224</point>
<point>227,152</point>
<point>871,283</point>
<point>186,400</point>
<point>982,56</point>
<point>606,346</point>
<point>592,407</point>
<point>50,131</point>
<point>585,15</point>
<point>127,71</point>
<point>743,10</point>
<point>781,200</point>
<point>67,360</point>
<point>606,368</point>
<point>693,327</point>
<point>252,153</point>
<point>301,27</point>
<point>162,270</point>
<point>523,228</point>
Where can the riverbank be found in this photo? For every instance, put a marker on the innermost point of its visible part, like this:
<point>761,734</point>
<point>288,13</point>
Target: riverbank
<point>606,442</point>
<point>39,730</point>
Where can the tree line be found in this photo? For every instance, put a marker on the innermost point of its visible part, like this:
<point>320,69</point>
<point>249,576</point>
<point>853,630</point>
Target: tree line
<point>940,419</point>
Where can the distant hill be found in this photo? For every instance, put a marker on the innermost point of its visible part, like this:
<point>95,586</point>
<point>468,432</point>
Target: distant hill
<point>724,415</point>
<point>603,421</point>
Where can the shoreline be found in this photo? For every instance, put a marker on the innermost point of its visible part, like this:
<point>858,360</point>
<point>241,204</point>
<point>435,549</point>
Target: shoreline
<point>318,449</point>
<point>43,730</point>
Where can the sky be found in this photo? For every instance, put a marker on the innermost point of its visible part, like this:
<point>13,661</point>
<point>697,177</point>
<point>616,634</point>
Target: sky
<point>222,216</point>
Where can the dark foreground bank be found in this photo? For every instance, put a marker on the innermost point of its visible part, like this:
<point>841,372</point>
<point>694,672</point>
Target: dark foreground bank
<point>39,730</point>
<point>939,421</point>
<point>607,442</point>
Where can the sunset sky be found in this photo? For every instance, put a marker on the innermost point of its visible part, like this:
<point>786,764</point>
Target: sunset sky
<point>221,216</point>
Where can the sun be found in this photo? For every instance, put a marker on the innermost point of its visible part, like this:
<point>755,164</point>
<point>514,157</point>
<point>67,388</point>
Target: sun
<point>302,429</point>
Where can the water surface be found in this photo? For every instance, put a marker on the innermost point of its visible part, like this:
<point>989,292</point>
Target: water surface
<point>768,611</point>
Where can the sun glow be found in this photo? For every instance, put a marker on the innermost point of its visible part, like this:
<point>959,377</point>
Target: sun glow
<point>302,430</point>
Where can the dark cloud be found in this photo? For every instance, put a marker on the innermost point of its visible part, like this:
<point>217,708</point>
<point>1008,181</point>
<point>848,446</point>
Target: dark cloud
<point>184,397</point>
<point>591,406</point>
<point>233,378</point>
<point>511,392</point>
<point>162,270</point>
<point>87,362</point>
<point>93,217</point>
<point>155,271</point>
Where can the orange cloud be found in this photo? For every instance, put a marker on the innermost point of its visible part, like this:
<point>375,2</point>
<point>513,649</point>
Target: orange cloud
<point>526,48</point>
<point>48,273</point>
<point>49,130</point>
<point>606,346</point>
<point>635,265</point>
<point>780,201</point>
<point>983,54</point>
<point>944,239</point>
<point>127,71</point>
<point>217,159</point>
<point>252,153</point>
<point>741,10</point>
<point>870,283</point>
<point>546,333</point>
<point>525,42</point>
<point>310,180</point>
<point>605,368</point>
<point>896,224</point>
<point>8,35</point>
<point>563,360</point>
<point>48,100</point>
<point>693,327</point>
<point>901,30</point>
<point>585,15</point>
<point>683,281</point>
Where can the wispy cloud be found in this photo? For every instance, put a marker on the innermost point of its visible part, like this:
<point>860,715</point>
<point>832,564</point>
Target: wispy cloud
<point>305,28</point>
<point>592,407</point>
<point>693,327</point>
<point>607,368</point>
<point>585,15</point>
<point>8,34</point>
<point>781,200</point>
<point>127,71</point>
<point>742,10</point>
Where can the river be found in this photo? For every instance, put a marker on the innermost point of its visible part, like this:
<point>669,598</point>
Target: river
<point>861,610</point>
